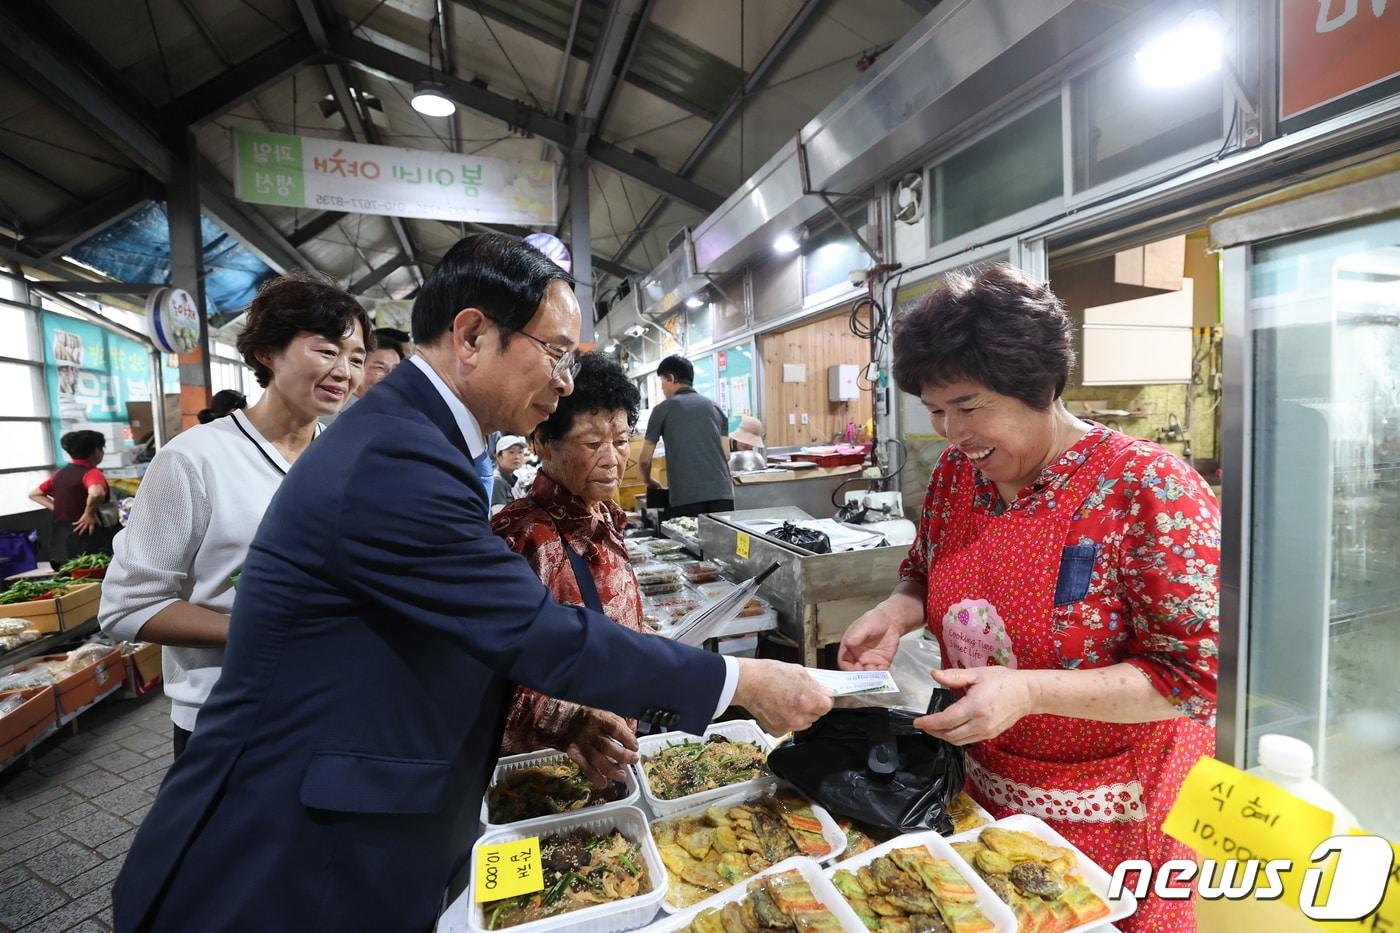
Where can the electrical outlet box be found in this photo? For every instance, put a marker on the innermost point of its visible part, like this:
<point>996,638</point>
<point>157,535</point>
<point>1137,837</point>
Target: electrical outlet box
<point>792,418</point>
<point>842,382</point>
<point>805,419</point>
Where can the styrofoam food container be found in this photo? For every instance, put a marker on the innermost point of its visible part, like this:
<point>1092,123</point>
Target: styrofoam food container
<point>834,835</point>
<point>517,762</point>
<point>822,888</point>
<point>465,913</point>
<point>739,730</point>
<point>1095,877</point>
<point>995,909</point>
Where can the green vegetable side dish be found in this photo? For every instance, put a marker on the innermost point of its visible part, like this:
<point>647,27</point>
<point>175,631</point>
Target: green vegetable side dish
<point>694,767</point>
<point>580,869</point>
<point>24,591</point>
<point>86,562</point>
<point>546,789</point>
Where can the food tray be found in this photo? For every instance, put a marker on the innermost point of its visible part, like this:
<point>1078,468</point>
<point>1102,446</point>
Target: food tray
<point>466,914</point>
<point>824,890</point>
<point>834,835</point>
<point>516,762</point>
<point>740,730</point>
<point>1095,877</point>
<point>995,909</point>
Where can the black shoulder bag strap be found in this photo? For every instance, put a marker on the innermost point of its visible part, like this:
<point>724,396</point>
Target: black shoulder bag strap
<point>583,576</point>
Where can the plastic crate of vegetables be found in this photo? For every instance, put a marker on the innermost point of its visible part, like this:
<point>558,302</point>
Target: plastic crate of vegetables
<point>51,605</point>
<point>86,567</point>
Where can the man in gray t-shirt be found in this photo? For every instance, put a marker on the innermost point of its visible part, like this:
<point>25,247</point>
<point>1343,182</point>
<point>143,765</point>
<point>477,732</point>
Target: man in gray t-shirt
<point>697,453</point>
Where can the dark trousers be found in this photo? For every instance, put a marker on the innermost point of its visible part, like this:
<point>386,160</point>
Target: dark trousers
<point>67,544</point>
<point>179,738</point>
<point>693,509</point>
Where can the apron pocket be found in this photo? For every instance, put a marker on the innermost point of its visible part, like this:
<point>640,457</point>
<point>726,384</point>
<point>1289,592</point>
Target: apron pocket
<point>1098,790</point>
<point>1076,569</point>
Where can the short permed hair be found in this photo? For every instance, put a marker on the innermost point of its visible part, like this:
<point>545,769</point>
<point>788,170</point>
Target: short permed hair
<point>678,368</point>
<point>298,302</point>
<point>81,445</point>
<point>601,385</point>
<point>502,276</point>
<point>998,328</point>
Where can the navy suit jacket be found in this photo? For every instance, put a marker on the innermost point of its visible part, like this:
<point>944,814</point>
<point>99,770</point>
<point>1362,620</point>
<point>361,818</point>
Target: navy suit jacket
<point>335,779</point>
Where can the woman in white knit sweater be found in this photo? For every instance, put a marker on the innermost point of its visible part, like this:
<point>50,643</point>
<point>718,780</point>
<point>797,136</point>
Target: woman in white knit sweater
<point>206,491</point>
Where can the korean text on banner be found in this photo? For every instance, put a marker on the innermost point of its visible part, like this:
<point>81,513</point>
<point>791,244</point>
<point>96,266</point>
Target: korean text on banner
<point>329,174</point>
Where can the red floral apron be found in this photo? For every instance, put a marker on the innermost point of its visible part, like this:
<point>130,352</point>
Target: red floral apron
<point>1106,787</point>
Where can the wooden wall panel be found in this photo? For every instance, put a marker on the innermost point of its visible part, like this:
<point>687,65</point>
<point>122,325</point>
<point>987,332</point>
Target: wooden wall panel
<point>819,344</point>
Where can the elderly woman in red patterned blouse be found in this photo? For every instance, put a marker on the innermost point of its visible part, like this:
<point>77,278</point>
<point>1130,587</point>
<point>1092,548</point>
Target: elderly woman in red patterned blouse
<point>570,531</point>
<point>1070,574</point>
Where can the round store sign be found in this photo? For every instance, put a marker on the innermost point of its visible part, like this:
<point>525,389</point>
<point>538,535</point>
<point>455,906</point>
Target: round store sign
<point>174,319</point>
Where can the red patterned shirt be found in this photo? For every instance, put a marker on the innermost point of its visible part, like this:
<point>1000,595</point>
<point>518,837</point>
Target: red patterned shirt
<point>531,527</point>
<point>1153,597</point>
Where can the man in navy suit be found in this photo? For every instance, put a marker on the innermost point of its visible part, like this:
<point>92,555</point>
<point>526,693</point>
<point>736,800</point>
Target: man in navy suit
<point>336,777</point>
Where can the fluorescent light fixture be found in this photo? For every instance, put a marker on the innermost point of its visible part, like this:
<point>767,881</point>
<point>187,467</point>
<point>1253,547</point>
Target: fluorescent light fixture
<point>430,99</point>
<point>1184,55</point>
<point>786,243</point>
<point>611,347</point>
<point>695,301</point>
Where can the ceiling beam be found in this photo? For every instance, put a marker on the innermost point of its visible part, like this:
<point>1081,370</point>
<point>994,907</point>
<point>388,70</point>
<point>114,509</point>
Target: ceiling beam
<point>240,83</point>
<point>922,7</point>
<point>317,225</point>
<point>624,23</point>
<point>796,28</point>
<point>522,116</point>
<point>121,122</point>
<point>75,226</point>
<point>103,288</point>
<point>375,276</point>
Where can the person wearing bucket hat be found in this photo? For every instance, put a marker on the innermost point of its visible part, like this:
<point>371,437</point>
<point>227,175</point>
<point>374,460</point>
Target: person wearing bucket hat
<point>510,457</point>
<point>749,444</point>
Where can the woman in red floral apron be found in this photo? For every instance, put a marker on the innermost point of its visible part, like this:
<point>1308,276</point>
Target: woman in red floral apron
<point>1070,574</point>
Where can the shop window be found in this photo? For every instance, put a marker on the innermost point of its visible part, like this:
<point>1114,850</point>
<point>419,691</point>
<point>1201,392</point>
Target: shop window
<point>829,258</point>
<point>777,287</point>
<point>26,445</point>
<point>22,392</point>
<point>14,491</point>
<point>19,333</point>
<point>1008,171</point>
<point>731,307</point>
<point>1122,126</point>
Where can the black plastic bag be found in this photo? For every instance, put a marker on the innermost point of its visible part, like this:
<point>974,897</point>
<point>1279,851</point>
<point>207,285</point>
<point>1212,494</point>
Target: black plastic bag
<point>808,538</point>
<point>873,766</point>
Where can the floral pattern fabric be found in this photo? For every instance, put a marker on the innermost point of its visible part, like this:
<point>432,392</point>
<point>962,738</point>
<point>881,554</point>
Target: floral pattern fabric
<point>1154,590</point>
<point>531,527</point>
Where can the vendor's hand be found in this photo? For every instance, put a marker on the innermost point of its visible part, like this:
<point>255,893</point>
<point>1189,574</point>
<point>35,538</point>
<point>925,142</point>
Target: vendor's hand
<point>86,524</point>
<point>601,745</point>
<point>870,643</point>
<point>993,700</point>
<point>782,697</point>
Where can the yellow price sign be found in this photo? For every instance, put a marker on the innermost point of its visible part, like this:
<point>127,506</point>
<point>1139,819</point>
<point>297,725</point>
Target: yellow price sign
<point>741,545</point>
<point>507,869</point>
<point>1226,814</point>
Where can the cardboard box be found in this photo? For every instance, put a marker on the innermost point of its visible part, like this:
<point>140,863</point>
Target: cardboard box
<point>22,726</point>
<point>83,686</point>
<point>69,610</point>
<point>143,667</point>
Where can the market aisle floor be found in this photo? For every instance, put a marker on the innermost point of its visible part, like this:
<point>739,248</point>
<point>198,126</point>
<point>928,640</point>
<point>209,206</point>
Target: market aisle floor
<point>67,819</point>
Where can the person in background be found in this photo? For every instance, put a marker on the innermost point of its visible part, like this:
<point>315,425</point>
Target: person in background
<point>224,403</point>
<point>1071,575</point>
<point>387,353</point>
<point>510,457</point>
<point>73,494</point>
<point>205,492</point>
<point>697,453</point>
<point>570,530</point>
<point>748,446</point>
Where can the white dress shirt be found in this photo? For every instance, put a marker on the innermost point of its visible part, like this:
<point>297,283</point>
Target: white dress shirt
<point>476,444</point>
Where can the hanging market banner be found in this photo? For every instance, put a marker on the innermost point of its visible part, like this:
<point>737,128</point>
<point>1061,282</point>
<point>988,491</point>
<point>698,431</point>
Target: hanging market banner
<point>92,375</point>
<point>328,174</point>
<point>1329,49</point>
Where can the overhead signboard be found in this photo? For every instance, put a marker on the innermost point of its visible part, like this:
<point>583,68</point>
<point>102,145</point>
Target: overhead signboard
<point>329,174</point>
<point>1333,48</point>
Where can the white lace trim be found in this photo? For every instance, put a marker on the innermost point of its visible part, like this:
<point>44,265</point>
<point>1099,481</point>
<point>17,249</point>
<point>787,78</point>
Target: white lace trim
<point>1118,803</point>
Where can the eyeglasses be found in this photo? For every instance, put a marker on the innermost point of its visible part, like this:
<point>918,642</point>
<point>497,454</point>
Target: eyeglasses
<point>565,361</point>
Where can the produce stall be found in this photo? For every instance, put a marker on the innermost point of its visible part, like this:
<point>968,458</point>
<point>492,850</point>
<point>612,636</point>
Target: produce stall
<point>703,837</point>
